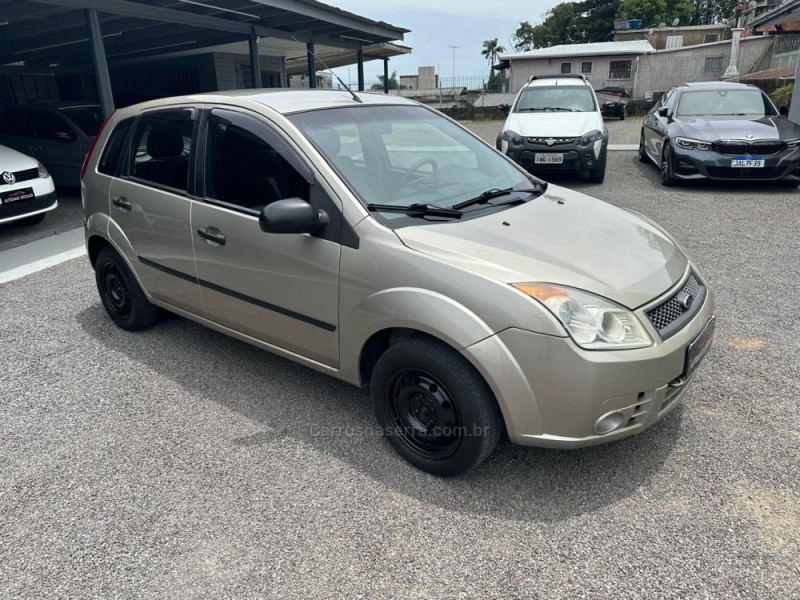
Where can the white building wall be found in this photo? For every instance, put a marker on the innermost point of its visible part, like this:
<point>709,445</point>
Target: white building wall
<point>600,76</point>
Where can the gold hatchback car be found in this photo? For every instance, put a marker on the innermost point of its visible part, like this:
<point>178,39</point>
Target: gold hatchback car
<point>375,240</point>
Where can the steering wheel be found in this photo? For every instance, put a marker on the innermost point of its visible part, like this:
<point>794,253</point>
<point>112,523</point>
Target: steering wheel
<point>409,174</point>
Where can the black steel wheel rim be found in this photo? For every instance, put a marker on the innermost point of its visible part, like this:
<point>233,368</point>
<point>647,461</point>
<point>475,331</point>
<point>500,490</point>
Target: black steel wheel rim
<point>115,291</point>
<point>423,414</point>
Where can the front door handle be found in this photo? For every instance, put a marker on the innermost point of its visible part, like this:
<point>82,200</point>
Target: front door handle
<point>212,236</point>
<point>121,202</point>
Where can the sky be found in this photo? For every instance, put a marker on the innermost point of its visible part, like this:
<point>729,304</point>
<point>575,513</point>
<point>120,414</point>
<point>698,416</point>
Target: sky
<point>438,24</point>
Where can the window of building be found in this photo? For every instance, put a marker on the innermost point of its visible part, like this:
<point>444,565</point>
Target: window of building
<point>586,67</point>
<point>711,37</point>
<point>713,64</point>
<point>674,41</point>
<point>566,68</point>
<point>620,69</point>
<point>162,147</point>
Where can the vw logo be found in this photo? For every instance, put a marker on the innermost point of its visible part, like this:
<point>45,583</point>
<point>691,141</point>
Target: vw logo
<point>749,136</point>
<point>550,141</point>
<point>685,300</point>
<point>9,178</point>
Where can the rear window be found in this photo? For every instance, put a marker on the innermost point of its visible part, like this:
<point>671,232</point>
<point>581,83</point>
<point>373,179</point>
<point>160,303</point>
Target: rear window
<point>87,118</point>
<point>109,161</point>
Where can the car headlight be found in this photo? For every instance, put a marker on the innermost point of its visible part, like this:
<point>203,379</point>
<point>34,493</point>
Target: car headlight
<point>690,144</point>
<point>593,322</point>
<point>591,137</point>
<point>42,170</point>
<point>793,144</point>
<point>512,137</point>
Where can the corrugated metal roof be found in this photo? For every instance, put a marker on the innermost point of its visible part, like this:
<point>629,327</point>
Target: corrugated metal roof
<point>495,99</point>
<point>593,49</point>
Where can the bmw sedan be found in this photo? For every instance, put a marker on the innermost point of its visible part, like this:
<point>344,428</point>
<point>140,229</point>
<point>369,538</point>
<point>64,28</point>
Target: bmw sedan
<point>720,130</point>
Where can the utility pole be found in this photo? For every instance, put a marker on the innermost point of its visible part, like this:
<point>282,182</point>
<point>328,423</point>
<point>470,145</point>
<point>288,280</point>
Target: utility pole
<point>454,64</point>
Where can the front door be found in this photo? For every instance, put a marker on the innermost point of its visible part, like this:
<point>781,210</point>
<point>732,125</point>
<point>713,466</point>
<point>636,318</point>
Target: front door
<point>150,203</point>
<point>282,289</point>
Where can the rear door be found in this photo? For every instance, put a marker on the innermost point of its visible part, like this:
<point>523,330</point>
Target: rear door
<point>57,145</point>
<point>151,204</point>
<point>282,289</point>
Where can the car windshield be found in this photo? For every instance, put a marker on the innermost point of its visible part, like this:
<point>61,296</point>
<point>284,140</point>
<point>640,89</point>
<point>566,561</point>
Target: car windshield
<point>557,98</point>
<point>87,118</point>
<point>409,156</point>
<point>724,103</point>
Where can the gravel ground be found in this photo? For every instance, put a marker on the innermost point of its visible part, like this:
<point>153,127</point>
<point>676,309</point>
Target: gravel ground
<point>180,463</point>
<point>67,216</point>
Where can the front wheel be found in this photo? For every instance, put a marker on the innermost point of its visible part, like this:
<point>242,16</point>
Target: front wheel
<point>120,293</point>
<point>667,178</point>
<point>643,158</point>
<point>433,407</point>
<point>598,174</point>
<point>622,114</point>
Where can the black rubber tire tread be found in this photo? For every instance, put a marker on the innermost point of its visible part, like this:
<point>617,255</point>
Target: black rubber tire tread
<point>469,390</point>
<point>666,180</point>
<point>143,314</point>
<point>642,153</point>
<point>598,174</point>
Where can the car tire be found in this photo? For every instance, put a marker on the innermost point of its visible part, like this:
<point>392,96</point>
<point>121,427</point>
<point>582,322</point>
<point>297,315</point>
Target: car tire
<point>120,293</point>
<point>598,174</point>
<point>667,178</point>
<point>422,387</point>
<point>33,220</point>
<point>622,114</point>
<point>643,158</point>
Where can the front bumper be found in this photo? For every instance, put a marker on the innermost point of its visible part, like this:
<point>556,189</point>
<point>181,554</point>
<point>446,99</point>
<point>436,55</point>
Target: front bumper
<point>575,156</point>
<point>44,199</point>
<point>707,164</point>
<point>552,392</point>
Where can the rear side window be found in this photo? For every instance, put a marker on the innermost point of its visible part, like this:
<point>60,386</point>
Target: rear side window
<point>109,161</point>
<point>162,147</point>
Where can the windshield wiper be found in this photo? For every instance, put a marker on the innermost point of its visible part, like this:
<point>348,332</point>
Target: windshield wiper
<point>425,210</point>
<point>496,193</point>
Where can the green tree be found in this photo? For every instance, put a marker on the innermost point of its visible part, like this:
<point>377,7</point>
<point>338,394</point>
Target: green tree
<point>393,83</point>
<point>654,12</point>
<point>569,23</point>
<point>490,51</point>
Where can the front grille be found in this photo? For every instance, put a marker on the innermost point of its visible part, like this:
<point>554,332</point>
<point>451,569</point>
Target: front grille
<point>555,141</point>
<point>754,148</point>
<point>669,316</point>
<point>752,173</point>
<point>27,174</point>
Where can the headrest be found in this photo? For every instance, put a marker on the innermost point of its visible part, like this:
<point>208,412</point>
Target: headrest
<point>164,142</point>
<point>328,139</point>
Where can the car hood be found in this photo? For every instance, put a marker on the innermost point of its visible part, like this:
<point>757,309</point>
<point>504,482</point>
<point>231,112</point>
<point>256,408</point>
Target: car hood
<point>720,128</point>
<point>552,124</point>
<point>561,237</point>
<point>11,160</point>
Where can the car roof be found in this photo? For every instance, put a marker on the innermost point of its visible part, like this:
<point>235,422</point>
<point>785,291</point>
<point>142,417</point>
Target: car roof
<point>56,105</point>
<point>285,101</point>
<point>716,85</point>
<point>550,81</point>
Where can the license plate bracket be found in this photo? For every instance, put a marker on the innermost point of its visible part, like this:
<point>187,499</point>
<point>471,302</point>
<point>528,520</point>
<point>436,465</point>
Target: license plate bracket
<point>19,195</point>
<point>699,347</point>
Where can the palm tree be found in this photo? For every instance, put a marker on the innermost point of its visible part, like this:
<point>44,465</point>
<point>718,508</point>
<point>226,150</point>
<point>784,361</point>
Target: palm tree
<point>393,83</point>
<point>491,49</point>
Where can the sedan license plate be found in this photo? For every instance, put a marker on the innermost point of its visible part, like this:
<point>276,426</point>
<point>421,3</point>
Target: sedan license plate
<point>550,158</point>
<point>17,196</point>
<point>747,162</point>
<point>698,349</point>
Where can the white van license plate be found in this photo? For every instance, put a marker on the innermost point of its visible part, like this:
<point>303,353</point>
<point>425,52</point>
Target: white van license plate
<point>747,162</point>
<point>549,159</point>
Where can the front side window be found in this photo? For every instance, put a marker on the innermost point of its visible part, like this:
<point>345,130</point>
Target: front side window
<point>748,103</point>
<point>620,69</point>
<point>49,126</point>
<point>87,118</point>
<point>245,170</point>
<point>556,98</point>
<point>162,147</point>
<point>410,156</point>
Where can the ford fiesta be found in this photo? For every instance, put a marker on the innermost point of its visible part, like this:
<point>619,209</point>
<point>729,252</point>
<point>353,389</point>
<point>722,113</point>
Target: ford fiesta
<point>720,130</point>
<point>371,238</point>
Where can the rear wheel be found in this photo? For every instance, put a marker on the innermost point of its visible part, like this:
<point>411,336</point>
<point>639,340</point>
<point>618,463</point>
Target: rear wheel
<point>433,407</point>
<point>120,293</point>
<point>667,178</point>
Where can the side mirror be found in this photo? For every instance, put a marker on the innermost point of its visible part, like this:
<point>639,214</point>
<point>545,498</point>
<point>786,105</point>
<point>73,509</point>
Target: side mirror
<point>504,108</point>
<point>663,112</point>
<point>292,215</point>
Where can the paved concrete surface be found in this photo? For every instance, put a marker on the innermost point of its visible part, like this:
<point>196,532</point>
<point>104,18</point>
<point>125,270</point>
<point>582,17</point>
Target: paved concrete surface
<point>41,254</point>
<point>180,463</point>
<point>67,216</point>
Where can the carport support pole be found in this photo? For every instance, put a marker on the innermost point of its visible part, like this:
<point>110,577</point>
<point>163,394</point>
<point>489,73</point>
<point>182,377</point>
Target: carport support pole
<point>312,65</point>
<point>99,61</point>
<point>360,69</point>
<point>385,75</point>
<point>255,68</point>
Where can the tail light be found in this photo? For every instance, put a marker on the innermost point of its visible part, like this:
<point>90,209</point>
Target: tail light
<point>94,143</point>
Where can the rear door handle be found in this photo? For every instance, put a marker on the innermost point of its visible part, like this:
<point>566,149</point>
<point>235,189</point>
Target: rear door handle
<point>215,237</point>
<point>122,203</point>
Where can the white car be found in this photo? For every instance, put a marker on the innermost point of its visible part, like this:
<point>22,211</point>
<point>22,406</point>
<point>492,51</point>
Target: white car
<point>555,123</point>
<point>27,192</point>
